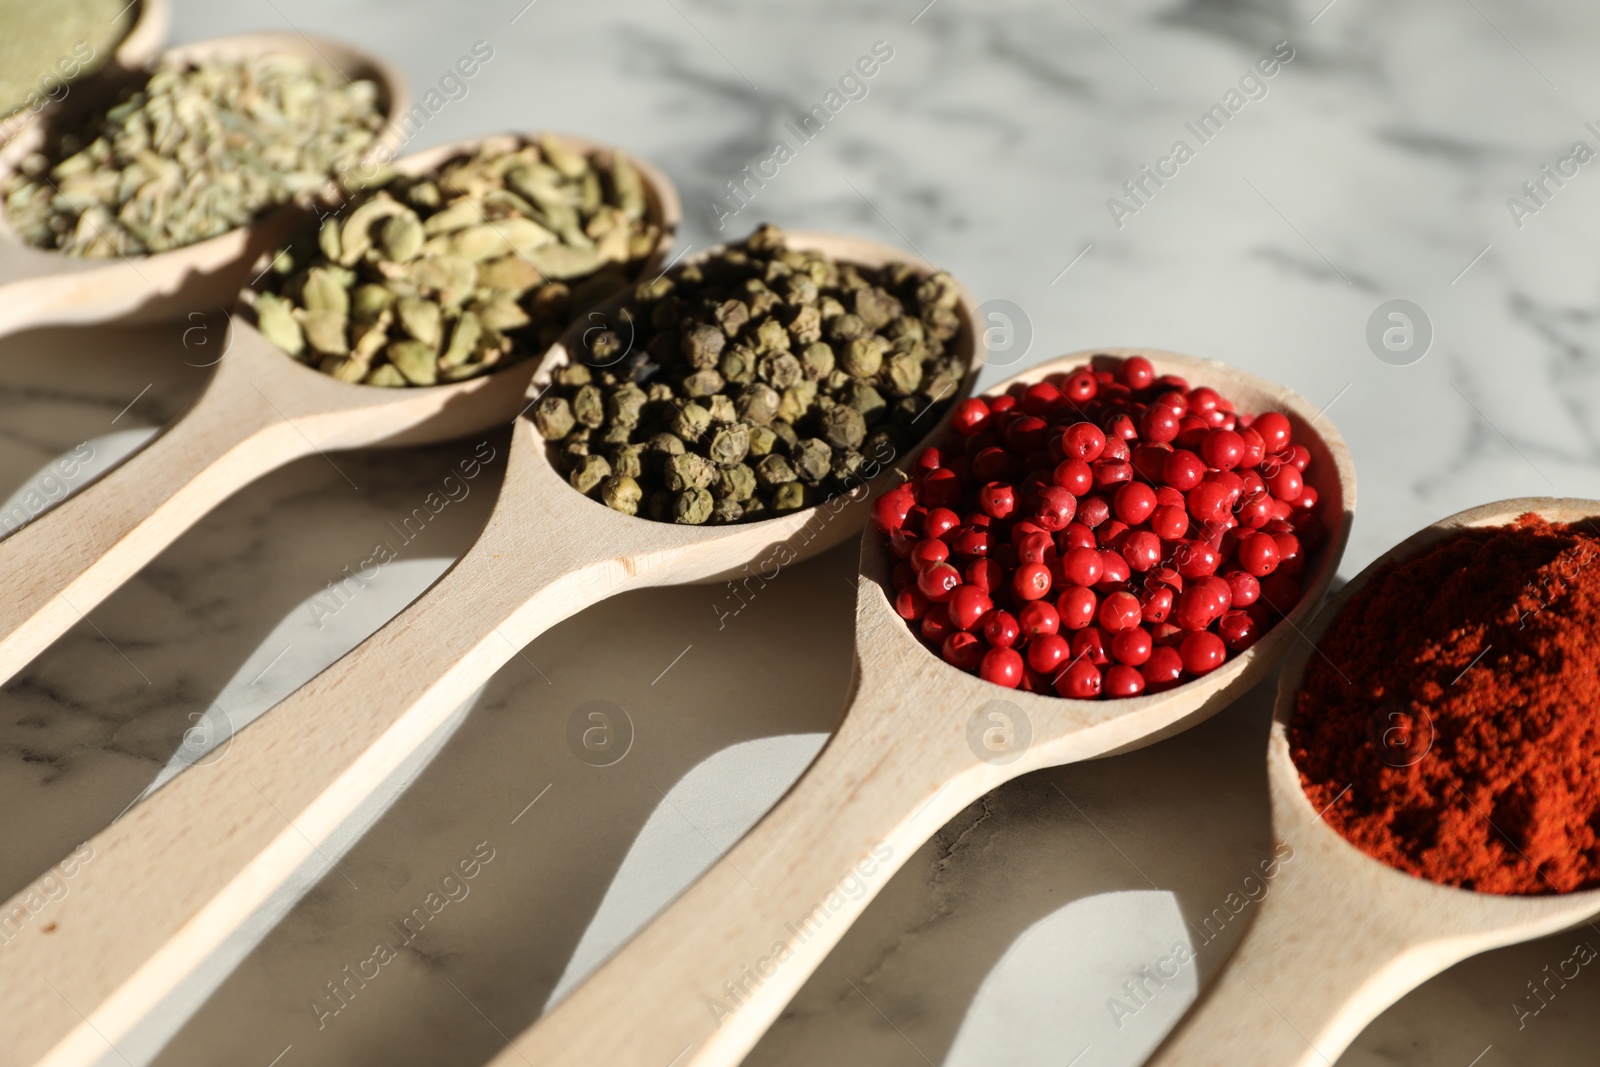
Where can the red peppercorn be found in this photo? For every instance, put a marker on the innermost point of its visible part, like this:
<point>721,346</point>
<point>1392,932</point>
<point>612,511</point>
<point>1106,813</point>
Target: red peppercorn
<point>1000,628</point>
<point>1157,603</point>
<point>970,416</point>
<point>1222,449</point>
<point>1183,470</point>
<point>1040,398</point>
<point>1036,547</point>
<point>1134,502</point>
<point>1114,571</point>
<point>1307,498</point>
<point>969,541</point>
<point>1074,475</point>
<point>1002,666</point>
<point>1163,669</point>
<point>927,552</point>
<point>1080,681</point>
<point>1083,440</point>
<point>1081,387</point>
<point>1081,566</point>
<point>1258,554</point>
<point>1120,611</point>
<point>1038,618</point>
<point>939,521</point>
<point>889,510</point>
<point>995,464</point>
<point>1244,587</point>
<point>1136,373</point>
<point>1093,510</point>
<point>1274,430</point>
<point>939,580</point>
<point>986,574</point>
<point>1031,581</point>
<point>1208,502</point>
<point>936,625</point>
<point>1255,449</point>
<point>1076,607</point>
<point>1202,652</point>
<point>939,488</point>
<point>910,604</point>
<point>1142,550</point>
<point>1195,609</point>
<point>1091,644</point>
<point>1290,559</point>
<point>1055,508</point>
<point>1047,652</point>
<point>1196,559</point>
<point>1238,630</point>
<point>1110,534</point>
<point>1287,484</point>
<point>1169,523</point>
<point>997,499</point>
<point>1123,681</point>
<point>1255,511</point>
<point>1132,646</point>
<point>1076,535</point>
<point>963,650</point>
<point>966,605</point>
<point>1159,424</point>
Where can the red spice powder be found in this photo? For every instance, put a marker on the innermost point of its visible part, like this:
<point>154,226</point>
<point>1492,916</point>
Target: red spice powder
<point>1458,697</point>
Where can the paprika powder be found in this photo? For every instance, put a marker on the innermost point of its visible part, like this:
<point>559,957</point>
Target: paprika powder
<point>1449,727</point>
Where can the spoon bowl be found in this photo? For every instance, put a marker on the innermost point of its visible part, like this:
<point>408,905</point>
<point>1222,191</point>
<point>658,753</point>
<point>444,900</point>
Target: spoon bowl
<point>181,873</point>
<point>260,410</point>
<point>920,740</point>
<point>1341,936</point>
<point>40,286</point>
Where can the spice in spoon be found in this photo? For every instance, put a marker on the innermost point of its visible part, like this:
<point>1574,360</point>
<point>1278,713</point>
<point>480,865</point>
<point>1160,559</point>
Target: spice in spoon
<point>193,152</point>
<point>47,47</point>
<point>754,382</point>
<point>1451,726</point>
<point>1101,533</point>
<point>448,275</point>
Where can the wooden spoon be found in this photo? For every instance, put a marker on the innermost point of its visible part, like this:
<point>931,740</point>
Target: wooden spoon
<point>1340,936</point>
<point>180,874</point>
<point>40,287</point>
<point>920,741</point>
<point>260,410</point>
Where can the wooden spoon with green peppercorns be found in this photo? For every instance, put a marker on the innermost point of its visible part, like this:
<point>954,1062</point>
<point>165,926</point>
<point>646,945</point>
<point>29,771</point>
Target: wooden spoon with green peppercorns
<point>1340,936</point>
<point>920,741</point>
<point>40,287</point>
<point>172,880</point>
<point>260,411</point>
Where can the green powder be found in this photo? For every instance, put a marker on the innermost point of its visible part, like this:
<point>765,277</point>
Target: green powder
<point>45,45</point>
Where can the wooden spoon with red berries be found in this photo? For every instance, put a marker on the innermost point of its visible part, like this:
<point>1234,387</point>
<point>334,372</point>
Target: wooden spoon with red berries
<point>924,737</point>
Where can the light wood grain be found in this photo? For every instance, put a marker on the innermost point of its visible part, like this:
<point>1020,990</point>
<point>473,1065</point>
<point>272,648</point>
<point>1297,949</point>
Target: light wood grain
<point>908,756</point>
<point>1340,936</point>
<point>41,287</point>
<point>152,22</point>
<point>179,875</point>
<point>260,411</point>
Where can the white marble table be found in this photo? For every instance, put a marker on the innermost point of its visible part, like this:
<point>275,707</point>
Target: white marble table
<point>1375,164</point>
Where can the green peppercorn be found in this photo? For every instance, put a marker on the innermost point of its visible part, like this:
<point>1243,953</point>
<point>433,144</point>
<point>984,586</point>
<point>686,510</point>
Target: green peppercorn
<point>621,493</point>
<point>693,507</point>
<point>589,473</point>
<point>811,459</point>
<point>552,417</point>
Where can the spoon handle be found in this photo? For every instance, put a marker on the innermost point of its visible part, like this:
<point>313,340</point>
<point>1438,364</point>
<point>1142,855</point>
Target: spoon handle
<point>703,981</point>
<point>194,868</point>
<point>57,567</point>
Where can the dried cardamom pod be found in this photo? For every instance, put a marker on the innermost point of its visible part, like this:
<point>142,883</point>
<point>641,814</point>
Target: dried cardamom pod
<point>482,262</point>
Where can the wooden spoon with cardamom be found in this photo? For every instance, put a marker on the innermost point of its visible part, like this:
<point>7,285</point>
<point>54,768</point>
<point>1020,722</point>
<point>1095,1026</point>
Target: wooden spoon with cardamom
<point>920,741</point>
<point>170,885</point>
<point>1340,936</point>
<point>260,410</point>
<point>41,287</point>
